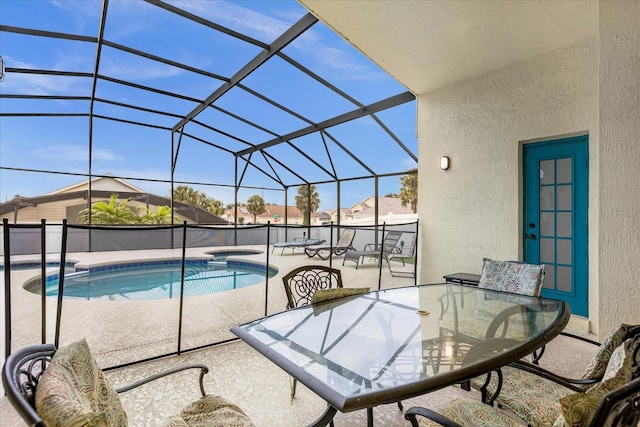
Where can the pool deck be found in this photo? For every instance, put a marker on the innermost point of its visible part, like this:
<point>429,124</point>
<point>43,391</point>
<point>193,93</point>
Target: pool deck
<point>117,334</point>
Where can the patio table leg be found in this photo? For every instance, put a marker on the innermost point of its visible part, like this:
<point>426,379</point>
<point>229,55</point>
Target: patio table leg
<point>325,418</point>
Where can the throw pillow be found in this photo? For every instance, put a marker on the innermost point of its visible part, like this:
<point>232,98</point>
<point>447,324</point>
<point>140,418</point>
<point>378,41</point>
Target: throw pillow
<point>73,391</point>
<point>322,295</point>
<point>514,277</point>
<point>598,364</point>
<point>579,409</point>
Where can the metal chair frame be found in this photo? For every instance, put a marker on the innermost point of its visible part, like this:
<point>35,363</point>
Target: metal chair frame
<point>301,283</point>
<point>23,369</point>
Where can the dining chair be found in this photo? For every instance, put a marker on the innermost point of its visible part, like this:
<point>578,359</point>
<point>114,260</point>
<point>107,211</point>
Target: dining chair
<point>60,387</point>
<point>612,401</point>
<point>300,284</point>
<point>533,393</point>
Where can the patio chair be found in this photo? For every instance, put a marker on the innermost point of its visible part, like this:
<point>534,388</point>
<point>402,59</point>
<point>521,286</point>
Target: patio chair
<point>374,251</point>
<point>406,252</point>
<point>533,392</point>
<point>296,244</point>
<point>63,387</point>
<point>613,401</point>
<point>300,284</point>
<point>505,276</point>
<point>324,252</point>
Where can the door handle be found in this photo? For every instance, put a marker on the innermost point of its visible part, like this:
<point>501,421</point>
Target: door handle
<point>531,236</point>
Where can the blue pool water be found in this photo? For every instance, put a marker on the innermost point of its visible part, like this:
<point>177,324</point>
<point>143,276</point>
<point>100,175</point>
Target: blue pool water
<point>160,280</point>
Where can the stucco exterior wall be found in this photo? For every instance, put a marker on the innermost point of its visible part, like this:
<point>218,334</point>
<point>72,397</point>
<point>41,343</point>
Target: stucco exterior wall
<point>474,209</point>
<point>619,97</point>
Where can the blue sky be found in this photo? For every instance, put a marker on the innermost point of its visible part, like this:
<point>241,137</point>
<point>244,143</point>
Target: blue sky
<point>142,155</point>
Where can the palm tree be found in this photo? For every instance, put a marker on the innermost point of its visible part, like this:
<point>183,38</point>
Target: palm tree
<point>186,194</point>
<point>108,213</point>
<point>409,190</point>
<point>162,215</point>
<point>255,206</point>
<point>302,202</point>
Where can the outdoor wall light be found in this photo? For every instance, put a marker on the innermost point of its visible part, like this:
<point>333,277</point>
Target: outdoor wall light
<point>444,163</point>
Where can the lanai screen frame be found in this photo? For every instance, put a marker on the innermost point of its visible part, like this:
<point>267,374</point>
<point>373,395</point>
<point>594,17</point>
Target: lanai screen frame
<point>243,158</point>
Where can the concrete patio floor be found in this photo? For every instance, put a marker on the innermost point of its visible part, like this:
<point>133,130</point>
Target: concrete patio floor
<point>237,372</point>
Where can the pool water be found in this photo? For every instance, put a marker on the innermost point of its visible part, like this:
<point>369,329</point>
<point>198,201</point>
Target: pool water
<point>149,282</point>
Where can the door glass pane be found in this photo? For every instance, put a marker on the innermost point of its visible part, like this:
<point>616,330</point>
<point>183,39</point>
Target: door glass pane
<point>547,172</point>
<point>563,196</point>
<point>564,224</point>
<point>547,198</point>
<point>564,279</point>
<point>547,226</point>
<point>547,251</point>
<point>564,251</point>
<point>549,277</point>
<point>564,171</point>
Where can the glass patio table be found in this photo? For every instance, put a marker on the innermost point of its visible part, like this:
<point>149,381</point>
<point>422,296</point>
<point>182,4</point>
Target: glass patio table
<point>385,346</point>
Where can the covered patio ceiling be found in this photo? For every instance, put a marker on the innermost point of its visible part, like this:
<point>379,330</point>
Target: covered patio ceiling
<point>428,45</point>
<point>232,94</point>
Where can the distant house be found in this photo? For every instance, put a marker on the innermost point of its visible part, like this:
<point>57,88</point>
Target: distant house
<point>66,203</point>
<point>276,215</point>
<point>344,214</point>
<point>390,210</point>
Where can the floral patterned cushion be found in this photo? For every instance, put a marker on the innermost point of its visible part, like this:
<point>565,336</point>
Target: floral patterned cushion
<point>598,365</point>
<point>529,396</point>
<point>513,277</point>
<point>578,409</point>
<point>322,295</point>
<point>73,391</point>
<point>469,412</point>
<point>210,411</point>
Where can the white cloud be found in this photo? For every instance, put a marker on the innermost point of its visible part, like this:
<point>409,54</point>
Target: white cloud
<point>72,153</point>
<point>241,19</point>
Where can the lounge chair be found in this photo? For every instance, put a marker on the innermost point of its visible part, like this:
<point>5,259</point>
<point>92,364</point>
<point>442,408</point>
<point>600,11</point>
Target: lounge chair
<point>372,250</point>
<point>406,253</point>
<point>324,251</point>
<point>296,244</point>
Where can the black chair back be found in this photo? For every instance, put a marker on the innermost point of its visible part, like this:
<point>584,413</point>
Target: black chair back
<point>20,376</point>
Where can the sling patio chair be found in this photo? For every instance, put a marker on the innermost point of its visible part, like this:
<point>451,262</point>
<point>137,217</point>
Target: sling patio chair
<point>374,251</point>
<point>406,253</point>
<point>296,244</point>
<point>324,251</point>
<point>65,387</point>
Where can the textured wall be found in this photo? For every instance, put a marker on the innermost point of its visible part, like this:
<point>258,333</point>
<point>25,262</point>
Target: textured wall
<point>474,209</point>
<point>619,46</point>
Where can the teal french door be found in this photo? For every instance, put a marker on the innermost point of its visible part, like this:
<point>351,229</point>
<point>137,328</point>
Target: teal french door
<point>556,175</point>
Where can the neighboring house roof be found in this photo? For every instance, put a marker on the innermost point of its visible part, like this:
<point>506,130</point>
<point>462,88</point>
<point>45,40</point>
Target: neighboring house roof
<point>104,183</point>
<point>279,210</point>
<point>190,212</point>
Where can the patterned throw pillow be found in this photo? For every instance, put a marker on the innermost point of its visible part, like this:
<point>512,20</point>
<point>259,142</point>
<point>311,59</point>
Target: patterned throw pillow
<point>73,391</point>
<point>598,365</point>
<point>578,409</point>
<point>322,295</point>
<point>513,277</point>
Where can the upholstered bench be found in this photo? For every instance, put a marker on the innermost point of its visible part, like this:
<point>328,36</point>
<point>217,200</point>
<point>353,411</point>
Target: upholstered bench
<point>66,387</point>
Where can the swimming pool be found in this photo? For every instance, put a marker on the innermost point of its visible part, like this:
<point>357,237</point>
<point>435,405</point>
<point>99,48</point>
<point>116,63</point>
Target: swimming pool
<point>153,280</point>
